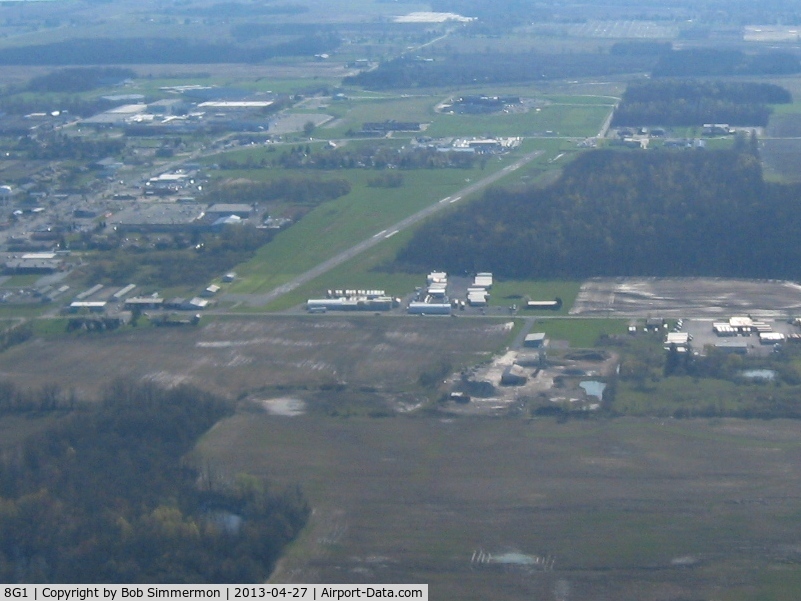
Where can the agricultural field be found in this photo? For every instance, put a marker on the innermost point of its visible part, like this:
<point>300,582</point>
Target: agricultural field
<point>377,359</point>
<point>511,509</point>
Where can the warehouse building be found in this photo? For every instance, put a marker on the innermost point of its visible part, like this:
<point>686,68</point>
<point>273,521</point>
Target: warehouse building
<point>679,340</point>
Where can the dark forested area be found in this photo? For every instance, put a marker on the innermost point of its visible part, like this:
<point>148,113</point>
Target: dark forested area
<point>657,213</point>
<point>308,191</point>
<point>79,80</point>
<point>688,103</point>
<point>105,496</point>
<point>55,146</point>
<point>472,68</point>
<point>128,51</point>
<point>697,62</point>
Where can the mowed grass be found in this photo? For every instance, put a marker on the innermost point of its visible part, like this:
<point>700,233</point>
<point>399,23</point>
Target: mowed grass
<point>575,116</point>
<point>339,224</point>
<point>580,333</point>
<point>621,509</point>
<point>560,119</point>
<point>520,291</point>
<point>365,271</point>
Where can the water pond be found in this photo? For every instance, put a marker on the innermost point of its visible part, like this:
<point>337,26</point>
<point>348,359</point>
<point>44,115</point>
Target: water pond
<point>593,388</point>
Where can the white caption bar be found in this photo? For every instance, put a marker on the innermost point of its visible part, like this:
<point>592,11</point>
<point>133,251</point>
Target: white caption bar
<point>226,592</point>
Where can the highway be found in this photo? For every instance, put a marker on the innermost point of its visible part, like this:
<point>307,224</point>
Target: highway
<point>267,297</point>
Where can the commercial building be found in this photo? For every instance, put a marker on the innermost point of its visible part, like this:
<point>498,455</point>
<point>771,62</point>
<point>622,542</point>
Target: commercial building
<point>157,217</point>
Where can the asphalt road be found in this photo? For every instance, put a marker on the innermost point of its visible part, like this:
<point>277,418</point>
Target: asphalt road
<point>268,297</point>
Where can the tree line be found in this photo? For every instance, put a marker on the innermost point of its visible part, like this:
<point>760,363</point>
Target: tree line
<point>301,190</point>
<point>495,68</point>
<point>56,146</point>
<point>78,79</point>
<point>106,496</point>
<point>707,62</point>
<point>127,51</point>
<point>370,156</point>
<point>621,213</point>
<point>689,103</point>
<point>210,254</point>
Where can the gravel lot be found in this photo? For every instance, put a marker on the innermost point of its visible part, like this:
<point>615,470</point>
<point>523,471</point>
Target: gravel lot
<point>687,297</point>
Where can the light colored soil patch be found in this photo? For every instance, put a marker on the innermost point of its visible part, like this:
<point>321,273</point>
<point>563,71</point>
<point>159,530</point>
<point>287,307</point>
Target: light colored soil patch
<point>288,407</point>
<point>685,297</point>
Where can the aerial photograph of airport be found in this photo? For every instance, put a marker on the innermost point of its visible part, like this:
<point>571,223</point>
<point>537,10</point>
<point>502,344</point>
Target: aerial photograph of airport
<point>502,297</point>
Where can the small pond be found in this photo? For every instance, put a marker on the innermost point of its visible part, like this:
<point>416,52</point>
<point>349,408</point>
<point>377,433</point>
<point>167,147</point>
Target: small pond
<point>593,388</point>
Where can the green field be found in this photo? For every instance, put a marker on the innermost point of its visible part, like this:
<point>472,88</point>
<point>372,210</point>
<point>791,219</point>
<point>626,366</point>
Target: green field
<point>518,292</point>
<point>570,120</point>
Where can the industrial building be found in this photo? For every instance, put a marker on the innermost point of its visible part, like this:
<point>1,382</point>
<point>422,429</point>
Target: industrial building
<point>737,347</point>
<point>514,375</point>
<point>771,338</point>
<point>678,340</point>
<point>477,297</point>
<point>182,304</point>
<point>210,291</point>
<point>34,263</point>
<point>157,217</point>
<point>483,280</point>
<point>553,305</point>
<point>144,302</point>
<point>222,209</point>
<point>87,306</point>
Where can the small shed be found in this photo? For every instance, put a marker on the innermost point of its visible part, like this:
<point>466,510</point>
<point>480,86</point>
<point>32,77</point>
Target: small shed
<point>536,340</point>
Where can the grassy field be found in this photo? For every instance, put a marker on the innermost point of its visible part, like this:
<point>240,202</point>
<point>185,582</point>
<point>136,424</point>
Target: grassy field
<point>337,225</point>
<point>581,333</point>
<point>520,291</point>
<point>575,120</point>
<point>505,509</point>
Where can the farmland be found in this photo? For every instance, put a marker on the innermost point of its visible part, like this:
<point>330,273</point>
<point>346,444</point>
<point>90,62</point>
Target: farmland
<point>240,356</point>
<point>510,509</point>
